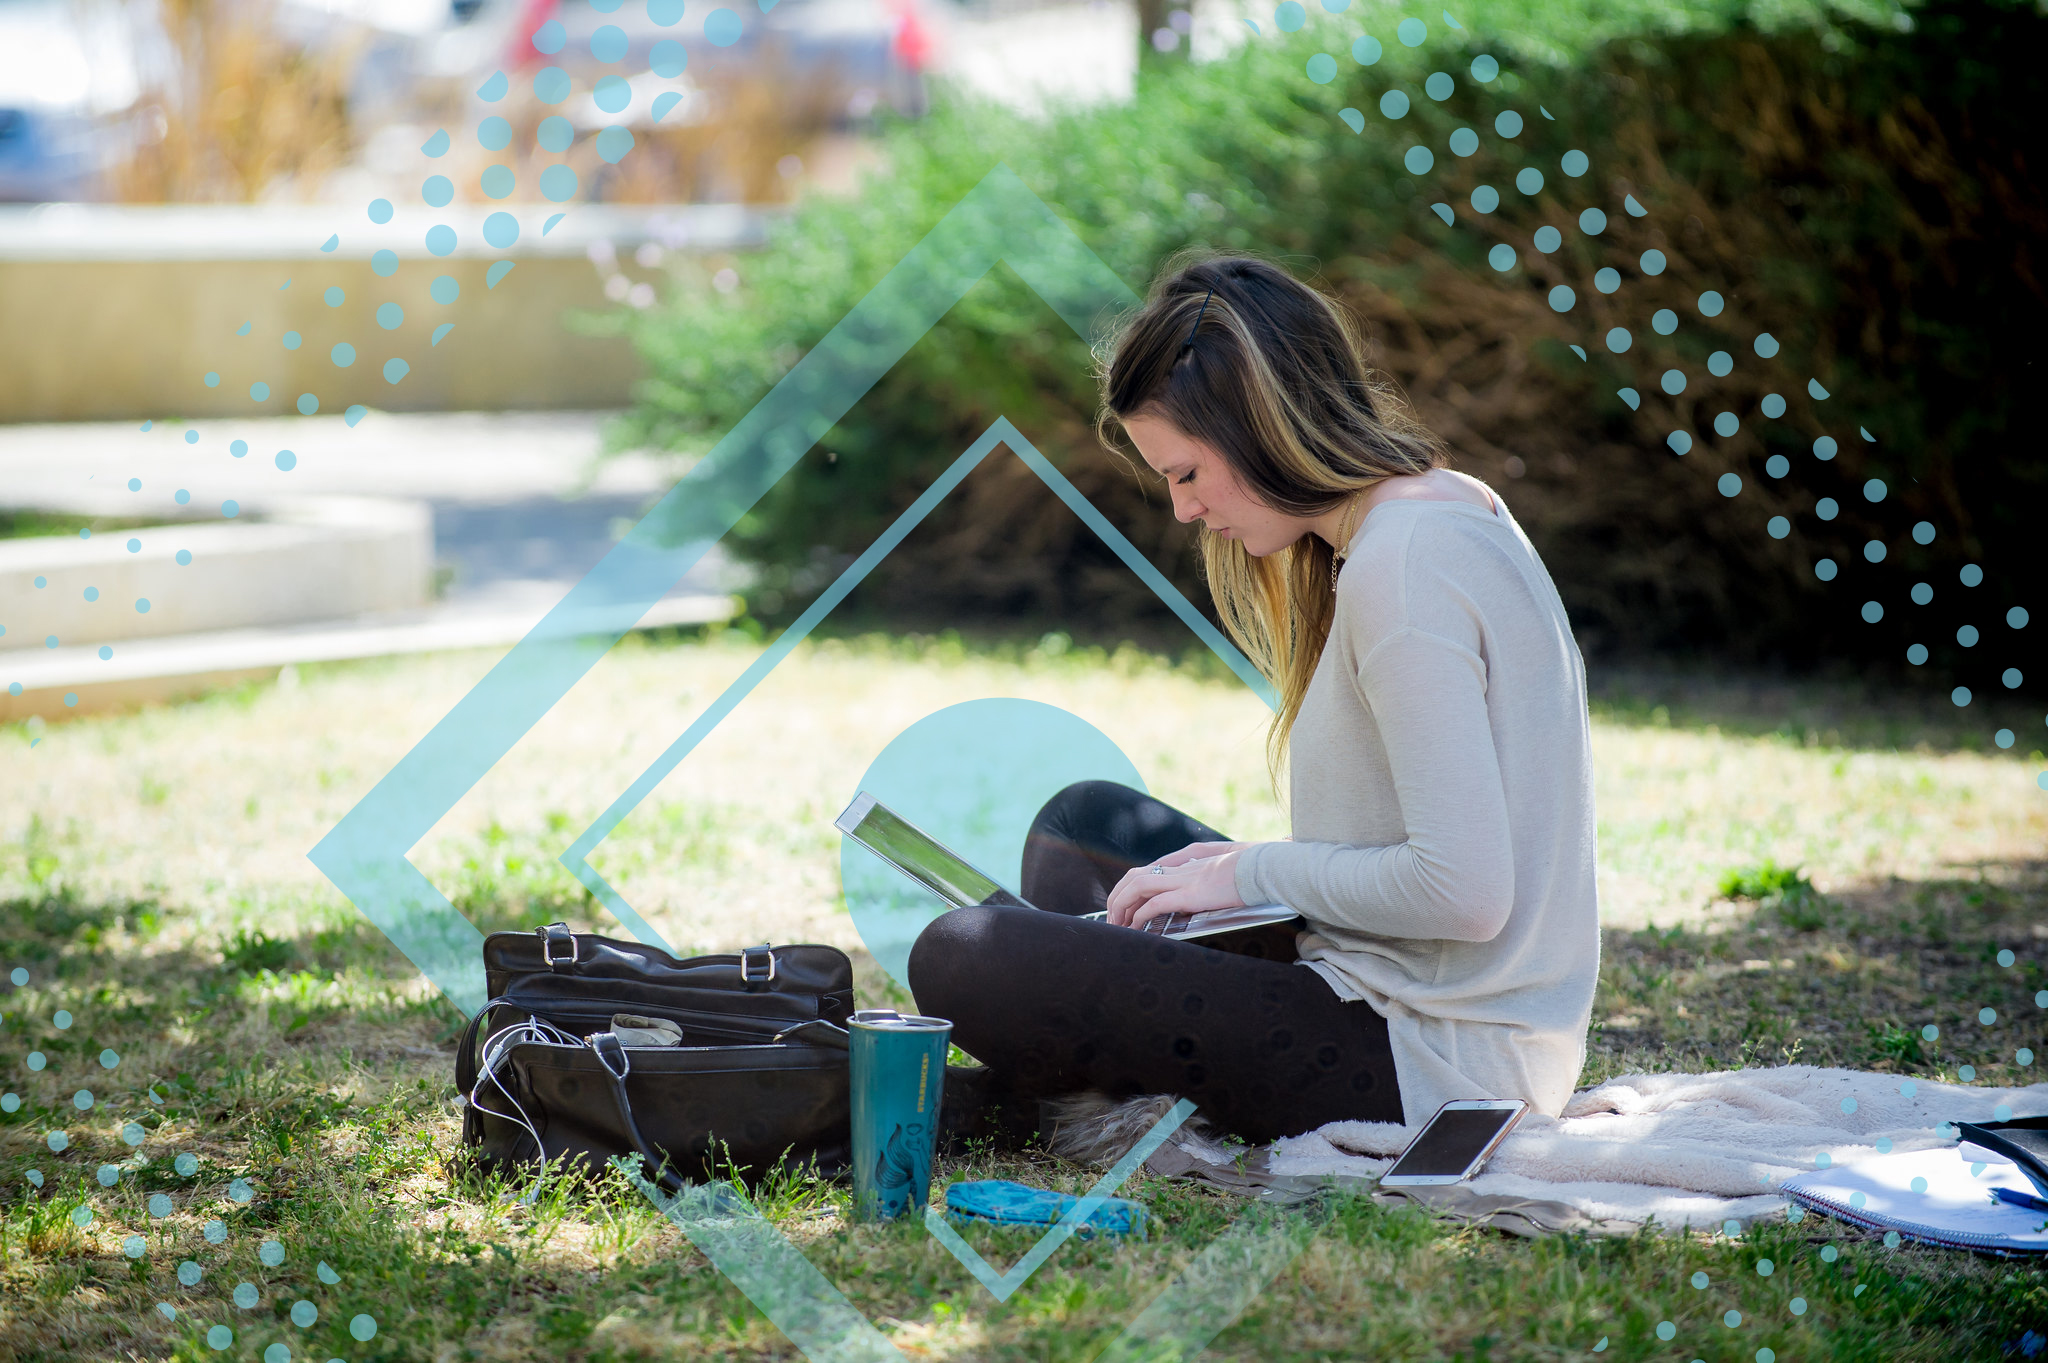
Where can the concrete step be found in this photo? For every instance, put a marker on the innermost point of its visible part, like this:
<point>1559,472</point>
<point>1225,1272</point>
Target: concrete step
<point>58,682</point>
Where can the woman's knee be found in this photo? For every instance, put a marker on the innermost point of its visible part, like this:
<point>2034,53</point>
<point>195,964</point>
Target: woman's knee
<point>944,958</point>
<point>1082,805</point>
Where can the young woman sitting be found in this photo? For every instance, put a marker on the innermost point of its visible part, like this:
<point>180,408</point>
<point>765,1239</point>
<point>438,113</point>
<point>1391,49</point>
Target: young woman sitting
<point>1432,718</point>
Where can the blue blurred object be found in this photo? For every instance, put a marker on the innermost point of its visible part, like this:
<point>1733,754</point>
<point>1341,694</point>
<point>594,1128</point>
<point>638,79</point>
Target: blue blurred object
<point>999,1202</point>
<point>44,155</point>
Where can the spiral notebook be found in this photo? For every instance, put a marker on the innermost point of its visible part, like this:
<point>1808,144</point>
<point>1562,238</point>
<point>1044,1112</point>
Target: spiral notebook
<point>1934,1196</point>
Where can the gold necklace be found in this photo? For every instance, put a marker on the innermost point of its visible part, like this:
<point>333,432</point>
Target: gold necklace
<point>1344,532</point>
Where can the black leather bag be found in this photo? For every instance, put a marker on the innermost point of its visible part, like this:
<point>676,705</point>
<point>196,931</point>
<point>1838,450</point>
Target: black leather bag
<point>761,1073</point>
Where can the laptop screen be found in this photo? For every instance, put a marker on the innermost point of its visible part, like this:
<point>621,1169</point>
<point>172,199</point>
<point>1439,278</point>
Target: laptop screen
<point>918,855</point>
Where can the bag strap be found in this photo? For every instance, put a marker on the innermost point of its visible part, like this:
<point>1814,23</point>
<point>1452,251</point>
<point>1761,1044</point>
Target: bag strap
<point>611,1055</point>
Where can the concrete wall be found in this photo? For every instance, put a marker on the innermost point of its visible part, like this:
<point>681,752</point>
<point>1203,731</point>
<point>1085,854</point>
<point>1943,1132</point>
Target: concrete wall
<point>116,312</point>
<point>320,559</point>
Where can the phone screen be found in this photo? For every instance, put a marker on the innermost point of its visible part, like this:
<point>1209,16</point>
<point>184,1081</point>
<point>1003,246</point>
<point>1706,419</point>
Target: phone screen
<point>1452,1141</point>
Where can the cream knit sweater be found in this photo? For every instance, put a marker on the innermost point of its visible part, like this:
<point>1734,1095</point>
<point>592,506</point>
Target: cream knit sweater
<point>1442,800</point>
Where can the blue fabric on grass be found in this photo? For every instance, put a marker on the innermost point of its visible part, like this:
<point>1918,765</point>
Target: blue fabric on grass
<point>999,1202</point>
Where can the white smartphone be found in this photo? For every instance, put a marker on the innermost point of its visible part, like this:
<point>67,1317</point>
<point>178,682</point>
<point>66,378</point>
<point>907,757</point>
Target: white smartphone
<point>1455,1143</point>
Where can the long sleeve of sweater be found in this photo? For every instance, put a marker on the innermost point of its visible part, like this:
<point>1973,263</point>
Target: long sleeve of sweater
<point>1453,877</point>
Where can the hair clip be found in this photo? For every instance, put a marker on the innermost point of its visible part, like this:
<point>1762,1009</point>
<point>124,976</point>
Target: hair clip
<point>1188,344</point>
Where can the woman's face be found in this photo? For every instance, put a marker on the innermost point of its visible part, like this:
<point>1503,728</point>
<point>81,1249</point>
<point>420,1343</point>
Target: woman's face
<point>1205,489</point>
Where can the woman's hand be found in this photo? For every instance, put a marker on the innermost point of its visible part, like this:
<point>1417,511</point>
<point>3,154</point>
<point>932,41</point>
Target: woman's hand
<point>1196,879</point>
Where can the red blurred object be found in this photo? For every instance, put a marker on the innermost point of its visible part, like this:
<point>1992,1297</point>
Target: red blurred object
<point>535,14</point>
<point>913,42</point>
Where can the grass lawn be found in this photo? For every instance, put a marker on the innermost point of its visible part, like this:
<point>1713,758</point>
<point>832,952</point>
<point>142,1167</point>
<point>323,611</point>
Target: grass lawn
<point>154,887</point>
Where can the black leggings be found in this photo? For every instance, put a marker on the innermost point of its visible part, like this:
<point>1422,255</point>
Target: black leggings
<point>1055,1004</point>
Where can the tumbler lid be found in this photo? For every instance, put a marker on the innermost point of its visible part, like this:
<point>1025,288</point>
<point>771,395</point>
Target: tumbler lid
<point>890,1020</point>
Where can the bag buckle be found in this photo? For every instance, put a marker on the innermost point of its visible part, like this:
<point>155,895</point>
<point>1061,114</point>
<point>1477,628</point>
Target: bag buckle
<point>552,935</point>
<point>605,1045</point>
<point>757,965</point>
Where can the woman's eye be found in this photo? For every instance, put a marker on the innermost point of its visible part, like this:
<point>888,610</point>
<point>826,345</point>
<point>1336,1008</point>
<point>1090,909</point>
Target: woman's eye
<point>1187,477</point>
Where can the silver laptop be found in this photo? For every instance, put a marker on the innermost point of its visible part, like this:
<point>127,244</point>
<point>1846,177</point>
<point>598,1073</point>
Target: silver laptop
<point>958,884</point>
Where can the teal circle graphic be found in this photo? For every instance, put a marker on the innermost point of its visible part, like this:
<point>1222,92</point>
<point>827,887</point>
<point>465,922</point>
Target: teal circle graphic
<point>1575,164</point>
<point>612,95</point>
<point>292,340</point>
<point>1619,340</point>
<point>549,38</point>
<point>1394,104</point>
<point>1485,199</point>
<point>308,404</point>
<point>1464,142</point>
<point>444,290</point>
<point>438,191</point>
<point>722,27</point>
<point>497,181</point>
<point>1322,68</point>
<point>1548,239</point>
<point>1439,86</point>
<point>1607,279</point>
<point>972,775</point>
<point>556,132</point>
<point>1366,50</point>
<point>613,143</point>
<point>343,354</point>
<point>441,239</point>
<point>1509,124</point>
<point>666,13</point>
<point>1562,298</point>
<point>1663,321</point>
<point>390,316</point>
<point>668,60</point>
<point>493,134</point>
<point>1289,16</point>
<point>1772,406</point>
<point>395,369</point>
<point>380,211</point>
<point>558,184</point>
<point>1501,257</point>
<point>501,230</point>
<point>1411,32</point>
<point>608,44</point>
<point>334,298</point>
<point>1529,180</point>
<point>1653,262</point>
<point>1593,222</point>
<point>384,264</point>
<point>551,85</point>
<point>1418,160</point>
<point>1484,68</point>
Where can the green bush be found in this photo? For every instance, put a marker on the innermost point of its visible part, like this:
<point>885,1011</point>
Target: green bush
<point>1860,185</point>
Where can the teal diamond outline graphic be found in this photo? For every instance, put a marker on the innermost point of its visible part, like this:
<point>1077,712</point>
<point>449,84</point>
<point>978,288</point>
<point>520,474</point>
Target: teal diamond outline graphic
<point>365,853</point>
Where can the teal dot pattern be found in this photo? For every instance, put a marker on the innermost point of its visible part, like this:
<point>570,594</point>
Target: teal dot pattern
<point>1509,125</point>
<point>356,332</point>
<point>150,1241</point>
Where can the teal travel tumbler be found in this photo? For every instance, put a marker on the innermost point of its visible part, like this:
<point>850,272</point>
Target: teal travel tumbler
<point>899,1067</point>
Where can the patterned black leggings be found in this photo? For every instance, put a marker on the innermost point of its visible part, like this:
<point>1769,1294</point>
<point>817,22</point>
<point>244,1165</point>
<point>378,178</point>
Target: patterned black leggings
<point>1054,1004</point>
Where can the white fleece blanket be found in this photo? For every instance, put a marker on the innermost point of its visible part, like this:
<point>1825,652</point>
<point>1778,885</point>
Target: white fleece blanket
<point>1686,1149</point>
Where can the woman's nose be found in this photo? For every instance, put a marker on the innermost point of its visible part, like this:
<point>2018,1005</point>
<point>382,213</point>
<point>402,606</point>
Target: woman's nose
<point>1187,507</point>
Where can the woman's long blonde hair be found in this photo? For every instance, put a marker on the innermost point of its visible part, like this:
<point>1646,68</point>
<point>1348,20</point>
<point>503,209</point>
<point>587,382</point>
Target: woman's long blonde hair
<point>1271,374</point>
